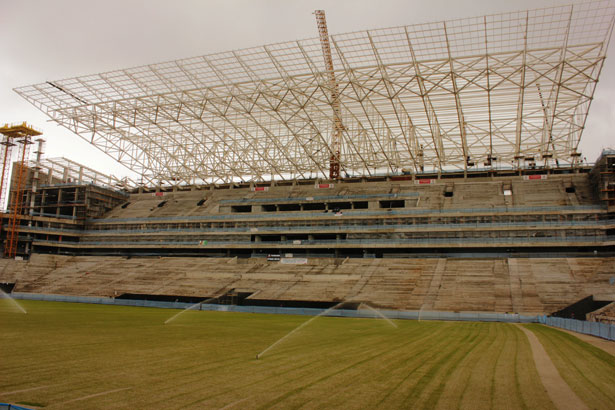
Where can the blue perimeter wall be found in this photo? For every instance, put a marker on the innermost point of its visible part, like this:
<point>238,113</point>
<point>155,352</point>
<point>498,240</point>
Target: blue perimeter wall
<point>602,330</point>
<point>389,314</point>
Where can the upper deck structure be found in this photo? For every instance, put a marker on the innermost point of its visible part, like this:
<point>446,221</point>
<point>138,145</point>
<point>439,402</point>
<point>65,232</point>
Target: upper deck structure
<point>506,90</point>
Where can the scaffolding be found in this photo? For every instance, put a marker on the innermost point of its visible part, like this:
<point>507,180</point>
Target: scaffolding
<point>67,189</point>
<point>603,177</point>
<point>65,171</point>
<point>505,90</point>
<point>7,155</point>
<point>20,135</point>
<point>55,193</point>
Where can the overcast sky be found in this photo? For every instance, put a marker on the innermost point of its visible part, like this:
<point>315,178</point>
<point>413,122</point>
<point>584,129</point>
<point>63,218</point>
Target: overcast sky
<point>44,40</point>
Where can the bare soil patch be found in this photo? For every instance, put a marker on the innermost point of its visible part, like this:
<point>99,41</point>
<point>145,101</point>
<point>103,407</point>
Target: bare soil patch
<point>558,390</point>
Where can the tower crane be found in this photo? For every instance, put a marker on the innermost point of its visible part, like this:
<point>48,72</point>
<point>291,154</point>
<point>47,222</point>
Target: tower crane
<point>334,160</point>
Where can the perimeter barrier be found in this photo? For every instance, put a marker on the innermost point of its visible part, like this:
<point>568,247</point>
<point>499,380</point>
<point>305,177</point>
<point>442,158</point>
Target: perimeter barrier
<point>603,330</point>
<point>8,406</point>
<point>361,313</point>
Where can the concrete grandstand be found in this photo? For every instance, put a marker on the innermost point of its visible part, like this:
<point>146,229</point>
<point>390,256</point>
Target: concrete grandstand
<point>461,189</point>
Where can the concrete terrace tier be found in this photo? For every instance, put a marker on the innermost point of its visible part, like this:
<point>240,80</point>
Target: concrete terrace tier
<point>501,285</point>
<point>542,213</point>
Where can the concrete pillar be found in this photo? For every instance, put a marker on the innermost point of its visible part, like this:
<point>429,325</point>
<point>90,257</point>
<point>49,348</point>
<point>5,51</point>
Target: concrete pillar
<point>59,201</point>
<point>43,201</point>
<point>35,177</point>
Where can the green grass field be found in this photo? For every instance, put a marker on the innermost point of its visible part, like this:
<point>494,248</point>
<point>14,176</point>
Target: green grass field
<point>62,355</point>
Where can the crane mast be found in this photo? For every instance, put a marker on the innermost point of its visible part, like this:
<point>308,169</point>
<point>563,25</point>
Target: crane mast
<point>334,161</point>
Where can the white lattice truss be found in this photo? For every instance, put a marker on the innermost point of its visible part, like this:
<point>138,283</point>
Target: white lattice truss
<point>441,96</point>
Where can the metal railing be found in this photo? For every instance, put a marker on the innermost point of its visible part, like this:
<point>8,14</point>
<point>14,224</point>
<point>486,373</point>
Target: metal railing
<point>603,330</point>
<point>54,216</point>
<point>322,228</point>
<point>350,212</point>
<point>599,239</point>
<point>319,198</point>
<point>347,228</point>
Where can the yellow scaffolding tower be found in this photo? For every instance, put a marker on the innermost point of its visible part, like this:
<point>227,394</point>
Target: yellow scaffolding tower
<point>12,135</point>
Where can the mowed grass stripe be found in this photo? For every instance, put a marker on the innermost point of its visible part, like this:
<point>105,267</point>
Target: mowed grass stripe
<point>134,356</point>
<point>407,362</point>
<point>365,372</point>
<point>298,377</point>
<point>503,390</point>
<point>476,374</point>
<point>383,362</point>
<point>312,362</point>
<point>462,375</point>
<point>84,377</point>
<point>513,378</point>
<point>412,363</point>
<point>482,361</point>
<point>420,393</point>
<point>272,366</point>
<point>384,372</point>
<point>419,364</point>
<point>199,379</point>
<point>371,355</point>
<point>186,384</point>
<point>125,357</point>
<point>588,370</point>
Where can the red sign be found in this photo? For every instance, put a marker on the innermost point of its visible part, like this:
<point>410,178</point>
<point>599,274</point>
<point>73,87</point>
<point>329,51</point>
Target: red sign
<point>260,188</point>
<point>424,181</point>
<point>533,177</point>
<point>322,186</point>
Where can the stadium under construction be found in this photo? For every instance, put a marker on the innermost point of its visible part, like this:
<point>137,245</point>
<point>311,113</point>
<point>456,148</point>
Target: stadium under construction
<point>426,167</point>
